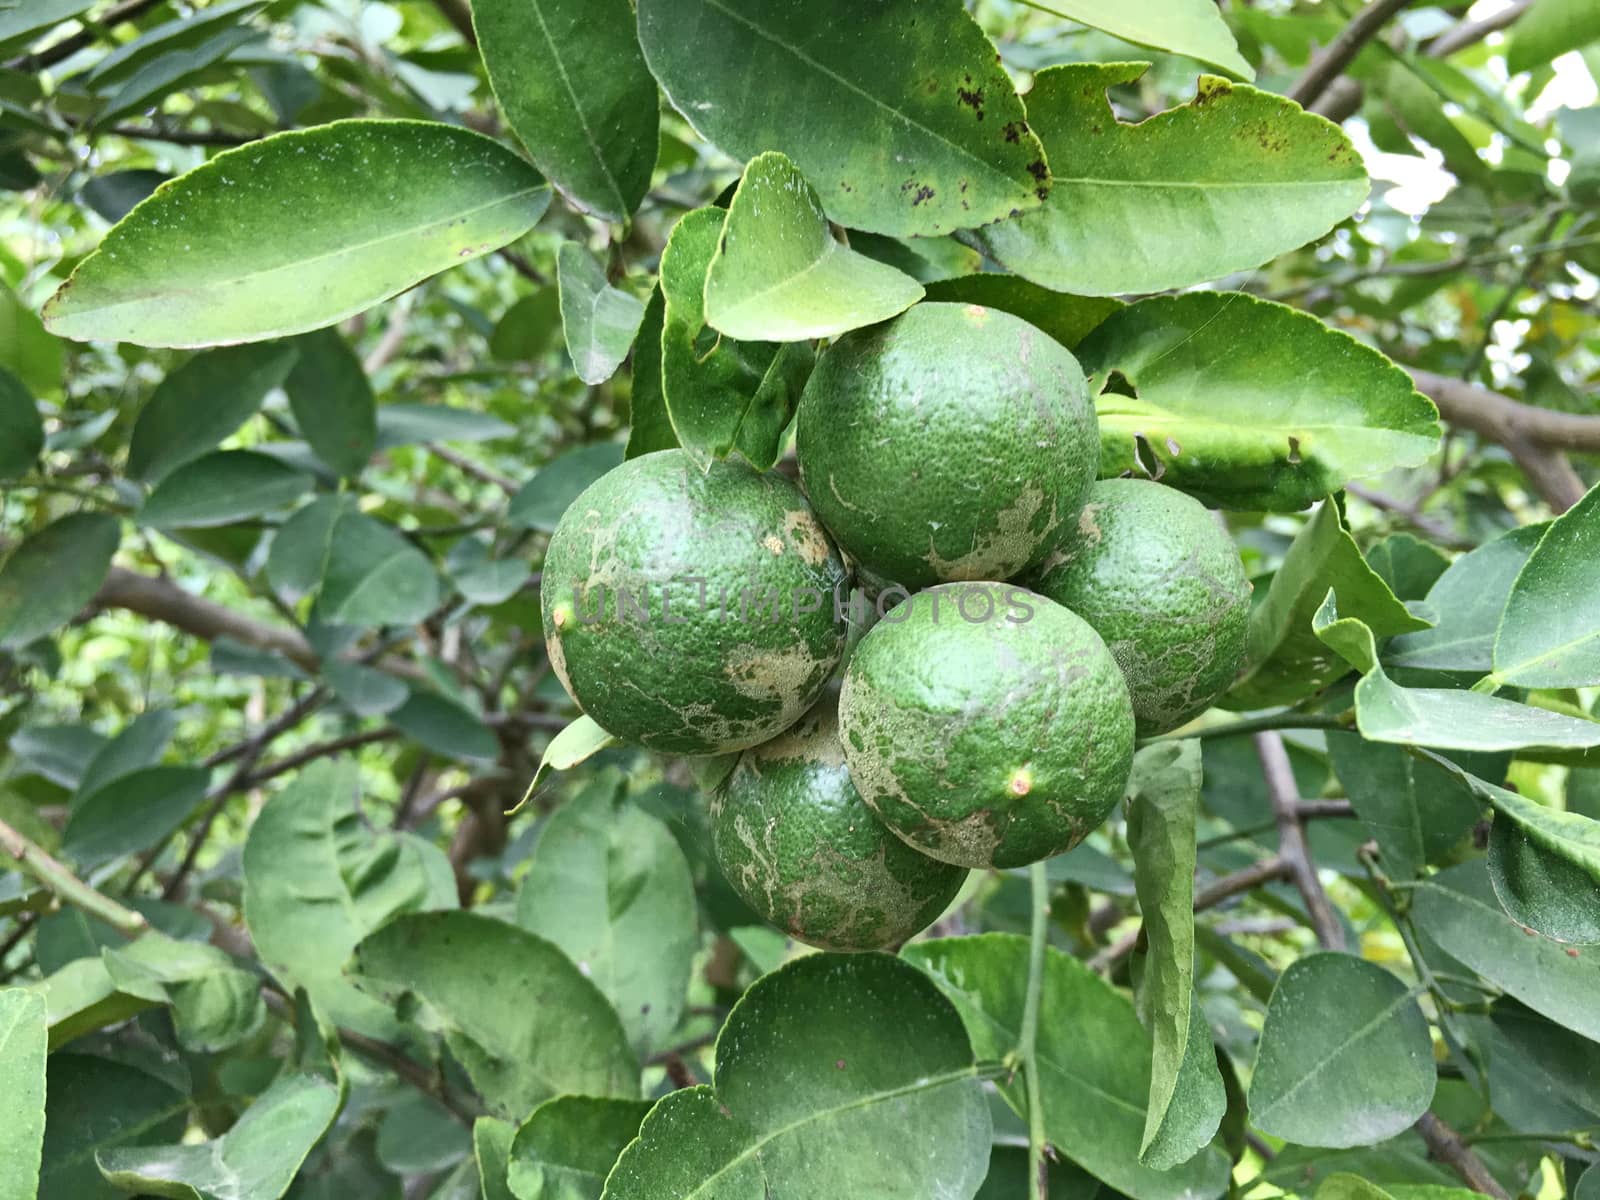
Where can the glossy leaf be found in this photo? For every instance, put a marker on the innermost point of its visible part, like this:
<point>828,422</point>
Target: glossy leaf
<point>1549,635</point>
<point>53,574</point>
<point>332,401</point>
<point>299,553</point>
<point>1417,811</point>
<point>258,1156</point>
<point>138,744</point>
<point>1223,184</point>
<point>491,1146</point>
<point>581,740</point>
<point>540,502</point>
<point>132,813</point>
<point>215,1004</point>
<point>567,1146</point>
<point>837,1075</point>
<point>375,576</point>
<point>1549,29</point>
<point>779,275</point>
<point>1192,28</point>
<point>609,886</point>
<point>1103,1053</point>
<point>1345,1056</point>
<point>938,138</point>
<point>1538,1068</point>
<point>650,427</point>
<point>573,85</point>
<point>446,727</point>
<point>21,431</point>
<point>599,320</point>
<point>163,59</point>
<point>84,996</point>
<point>22,1082</point>
<point>221,488</point>
<point>94,1105</point>
<point>1248,404</point>
<point>1541,889</point>
<point>201,402</point>
<point>317,879</point>
<point>1186,1096</point>
<point>1068,319</point>
<point>262,241</point>
<point>1409,565</point>
<point>17,20</point>
<point>1469,598</point>
<point>524,1022</point>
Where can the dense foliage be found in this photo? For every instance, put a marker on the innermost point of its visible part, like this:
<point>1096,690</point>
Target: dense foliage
<point>315,317</point>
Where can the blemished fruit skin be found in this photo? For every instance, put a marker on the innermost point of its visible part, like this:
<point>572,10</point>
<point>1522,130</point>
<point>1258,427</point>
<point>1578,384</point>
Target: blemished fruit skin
<point>952,442</point>
<point>800,846</point>
<point>678,605</point>
<point>986,743</point>
<point>1162,584</point>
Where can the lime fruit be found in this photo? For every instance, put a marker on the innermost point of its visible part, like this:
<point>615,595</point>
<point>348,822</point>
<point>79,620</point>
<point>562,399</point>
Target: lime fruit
<point>1162,584</point>
<point>796,841</point>
<point>692,612</point>
<point>986,725</point>
<point>953,442</point>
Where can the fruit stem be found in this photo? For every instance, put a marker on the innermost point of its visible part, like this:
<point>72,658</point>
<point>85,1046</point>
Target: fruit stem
<point>1027,1044</point>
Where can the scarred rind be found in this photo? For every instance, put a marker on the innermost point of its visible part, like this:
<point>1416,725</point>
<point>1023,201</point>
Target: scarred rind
<point>953,442</point>
<point>716,651</point>
<point>984,743</point>
<point>1162,584</point>
<point>795,840</point>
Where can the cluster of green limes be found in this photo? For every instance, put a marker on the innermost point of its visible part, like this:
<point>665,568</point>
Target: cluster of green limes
<point>1028,620</point>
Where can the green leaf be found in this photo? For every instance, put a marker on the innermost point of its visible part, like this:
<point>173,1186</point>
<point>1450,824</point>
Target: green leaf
<point>332,401</point>
<point>1417,812</point>
<point>836,1075</point>
<point>365,691</point>
<point>1094,1070</point>
<point>609,886</point>
<point>482,579</point>
<point>53,574</point>
<point>1469,598</point>
<point>1248,404</point>
<point>491,1146</point>
<point>1457,908</point>
<point>1285,659</point>
<point>17,20</point>
<point>1541,1076</point>
<point>1550,29</point>
<point>163,59</point>
<point>567,1146</point>
<point>221,488</point>
<point>581,740</point>
<point>599,320</point>
<point>524,1022</point>
<point>26,350</point>
<point>540,502</point>
<point>650,427</point>
<point>139,744</point>
<point>21,430</point>
<point>1186,1096</point>
<point>1222,184</point>
<point>93,1105</point>
<point>573,85</point>
<point>1193,28</point>
<point>1588,1185</point>
<point>264,240</point>
<point>778,274</point>
<point>1345,1056</point>
<point>215,1005</point>
<point>445,727</point>
<point>132,813</point>
<point>317,880</point>
<point>1407,564</point>
<point>83,996</point>
<point>375,576</point>
<point>1068,319</point>
<point>528,330</point>
<point>22,1069</point>
<point>1549,635</point>
<point>1541,889</point>
<point>937,137</point>
<point>258,1157</point>
<point>415,424</point>
<point>299,553</point>
<point>201,402</point>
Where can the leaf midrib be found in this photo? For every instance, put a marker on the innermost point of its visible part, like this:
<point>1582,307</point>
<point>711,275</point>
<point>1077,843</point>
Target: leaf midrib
<point>577,108</point>
<point>1359,1035</point>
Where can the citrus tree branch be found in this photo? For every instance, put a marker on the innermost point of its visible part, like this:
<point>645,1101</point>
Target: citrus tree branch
<point>1285,796</point>
<point>1330,62</point>
<point>1027,1043</point>
<point>68,46</point>
<point>48,873</point>
<point>1445,1145</point>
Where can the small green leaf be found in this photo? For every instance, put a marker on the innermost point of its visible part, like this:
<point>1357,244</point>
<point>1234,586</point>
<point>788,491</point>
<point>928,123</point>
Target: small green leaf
<point>567,1146</point>
<point>365,691</point>
<point>1407,564</point>
<point>650,427</point>
<point>1541,889</point>
<point>572,83</point>
<point>21,430</point>
<point>265,240</point>
<point>17,20</point>
<point>529,329</point>
<point>215,1005</point>
<point>580,740</point>
<point>515,1012</point>
<point>1550,29</point>
<point>1345,1056</point>
<point>779,275</point>
<point>22,1079</point>
<point>299,553</point>
<point>1248,404</point>
<point>162,60</point>
<point>48,579</point>
<point>1549,635</point>
<point>491,1149</point>
<point>445,727</point>
<point>1457,908</point>
<point>26,350</point>
<point>540,502</point>
<point>416,424</point>
<point>1186,1095</point>
<point>1193,28</point>
<point>93,1105</point>
<point>132,813</point>
<point>840,1075</point>
<point>221,488</point>
<point>258,1157</point>
<point>200,403</point>
<point>375,576</point>
<point>609,886</point>
<point>83,997</point>
<point>1222,184</point>
<point>599,320</point>
<point>1068,319</point>
<point>332,401</point>
<point>938,139</point>
<point>482,579</point>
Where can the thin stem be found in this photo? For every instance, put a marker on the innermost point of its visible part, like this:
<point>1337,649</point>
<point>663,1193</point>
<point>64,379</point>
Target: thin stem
<point>1285,719</point>
<point>1027,1043</point>
<point>1332,61</point>
<point>51,874</point>
<point>1292,847</point>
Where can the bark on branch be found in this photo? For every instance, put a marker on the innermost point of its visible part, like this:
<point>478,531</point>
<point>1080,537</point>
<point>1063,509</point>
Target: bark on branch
<point>1330,62</point>
<point>1285,796</point>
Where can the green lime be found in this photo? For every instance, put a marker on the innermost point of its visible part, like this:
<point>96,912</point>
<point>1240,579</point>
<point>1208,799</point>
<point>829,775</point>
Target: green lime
<point>953,442</point>
<point>692,612</point>
<point>1162,584</point>
<point>796,841</point>
<point>986,725</point>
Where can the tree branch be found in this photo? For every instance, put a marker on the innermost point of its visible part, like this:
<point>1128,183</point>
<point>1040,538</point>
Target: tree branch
<point>1445,1145</point>
<point>1330,63</point>
<point>66,886</point>
<point>1292,848</point>
<point>68,46</point>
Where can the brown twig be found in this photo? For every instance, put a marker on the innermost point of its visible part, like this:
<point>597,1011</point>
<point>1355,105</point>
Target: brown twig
<point>1285,796</point>
<point>1445,1145</point>
<point>1330,63</point>
<point>300,758</point>
<point>1415,517</point>
<point>184,137</point>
